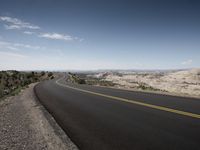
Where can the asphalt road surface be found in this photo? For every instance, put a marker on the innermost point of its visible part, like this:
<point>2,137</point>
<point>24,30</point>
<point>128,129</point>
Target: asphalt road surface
<point>97,118</point>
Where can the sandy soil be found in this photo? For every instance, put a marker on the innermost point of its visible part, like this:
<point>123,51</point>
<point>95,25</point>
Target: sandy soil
<point>25,124</point>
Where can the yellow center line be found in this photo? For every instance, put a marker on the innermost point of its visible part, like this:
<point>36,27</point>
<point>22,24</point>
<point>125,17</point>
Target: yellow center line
<point>135,102</point>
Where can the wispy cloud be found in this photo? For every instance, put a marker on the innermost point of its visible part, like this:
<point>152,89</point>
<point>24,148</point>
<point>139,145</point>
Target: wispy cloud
<point>14,23</point>
<point>12,48</point>
<point>10,27</point>
<point>11,54</point>
<point>17,24</point>
<point>17,46</point>
<point>56,36</point>
<point>79,39</point>
<point>187,62</point>
<point>28,32</point>
<point>26,46</point>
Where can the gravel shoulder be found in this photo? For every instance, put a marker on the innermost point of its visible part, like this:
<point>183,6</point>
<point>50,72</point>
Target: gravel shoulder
<point>25,124</point>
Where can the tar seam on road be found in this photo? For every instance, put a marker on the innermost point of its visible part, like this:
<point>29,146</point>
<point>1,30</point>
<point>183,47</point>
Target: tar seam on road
<point>197,116</point>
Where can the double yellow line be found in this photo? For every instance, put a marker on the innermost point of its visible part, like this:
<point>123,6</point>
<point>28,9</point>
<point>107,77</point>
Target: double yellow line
<point>197,116</point>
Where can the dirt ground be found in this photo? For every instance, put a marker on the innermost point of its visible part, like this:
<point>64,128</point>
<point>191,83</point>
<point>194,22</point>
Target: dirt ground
<point>25,124</point>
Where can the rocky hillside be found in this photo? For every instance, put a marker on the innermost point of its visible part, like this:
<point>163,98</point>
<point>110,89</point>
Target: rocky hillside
<point>185,82</point>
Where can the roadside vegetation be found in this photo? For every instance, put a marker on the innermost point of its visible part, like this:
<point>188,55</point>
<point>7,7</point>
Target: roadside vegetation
<point>11,82</point>
<point>145,87</point>
<point>82,78</point>
<point>74,78</point>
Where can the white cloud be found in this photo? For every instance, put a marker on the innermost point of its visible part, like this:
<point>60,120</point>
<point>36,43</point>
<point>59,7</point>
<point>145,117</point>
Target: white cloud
<point>11,54</point>
<point>56,36</point>
<point>10,27</point>
<point>17,24</point>
<point>187,62</point>
<point>12,48</point>
<point>16,46</point>
<point>79,39</point>
<point>26,46</point>
<point>28,32</point>
<point>14,23</point>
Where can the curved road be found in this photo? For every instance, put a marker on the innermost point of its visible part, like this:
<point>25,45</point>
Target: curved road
<point>97,118</point>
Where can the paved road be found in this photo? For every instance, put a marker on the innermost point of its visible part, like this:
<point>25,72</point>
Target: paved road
<point>97,118</point>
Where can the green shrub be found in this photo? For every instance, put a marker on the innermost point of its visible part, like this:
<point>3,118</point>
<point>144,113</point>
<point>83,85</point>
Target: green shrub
<point>50,74</point>
<point>81,81</point>
<point>42,73</point>
<point>29,75</point>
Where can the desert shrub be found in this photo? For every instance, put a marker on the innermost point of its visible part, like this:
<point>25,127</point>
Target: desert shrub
<point>29,75</point>
<point>27,82</point>
<point>50,74</point>
<point>1,91</point>
<point>15,74</point>
<point>81,81</point>
<point>11,81</point>
<point>36,79</point>
<point>42,73</point>
<point>147,87</point>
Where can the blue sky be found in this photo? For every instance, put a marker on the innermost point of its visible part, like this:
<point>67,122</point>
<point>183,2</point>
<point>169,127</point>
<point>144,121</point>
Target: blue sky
<point>91,34</point>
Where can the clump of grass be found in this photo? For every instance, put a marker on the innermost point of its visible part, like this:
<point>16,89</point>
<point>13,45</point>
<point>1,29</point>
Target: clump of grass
<point>16,91</point>
<point>146,87</point>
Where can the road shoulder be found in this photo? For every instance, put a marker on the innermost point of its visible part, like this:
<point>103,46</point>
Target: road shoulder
<point>25,124</point>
